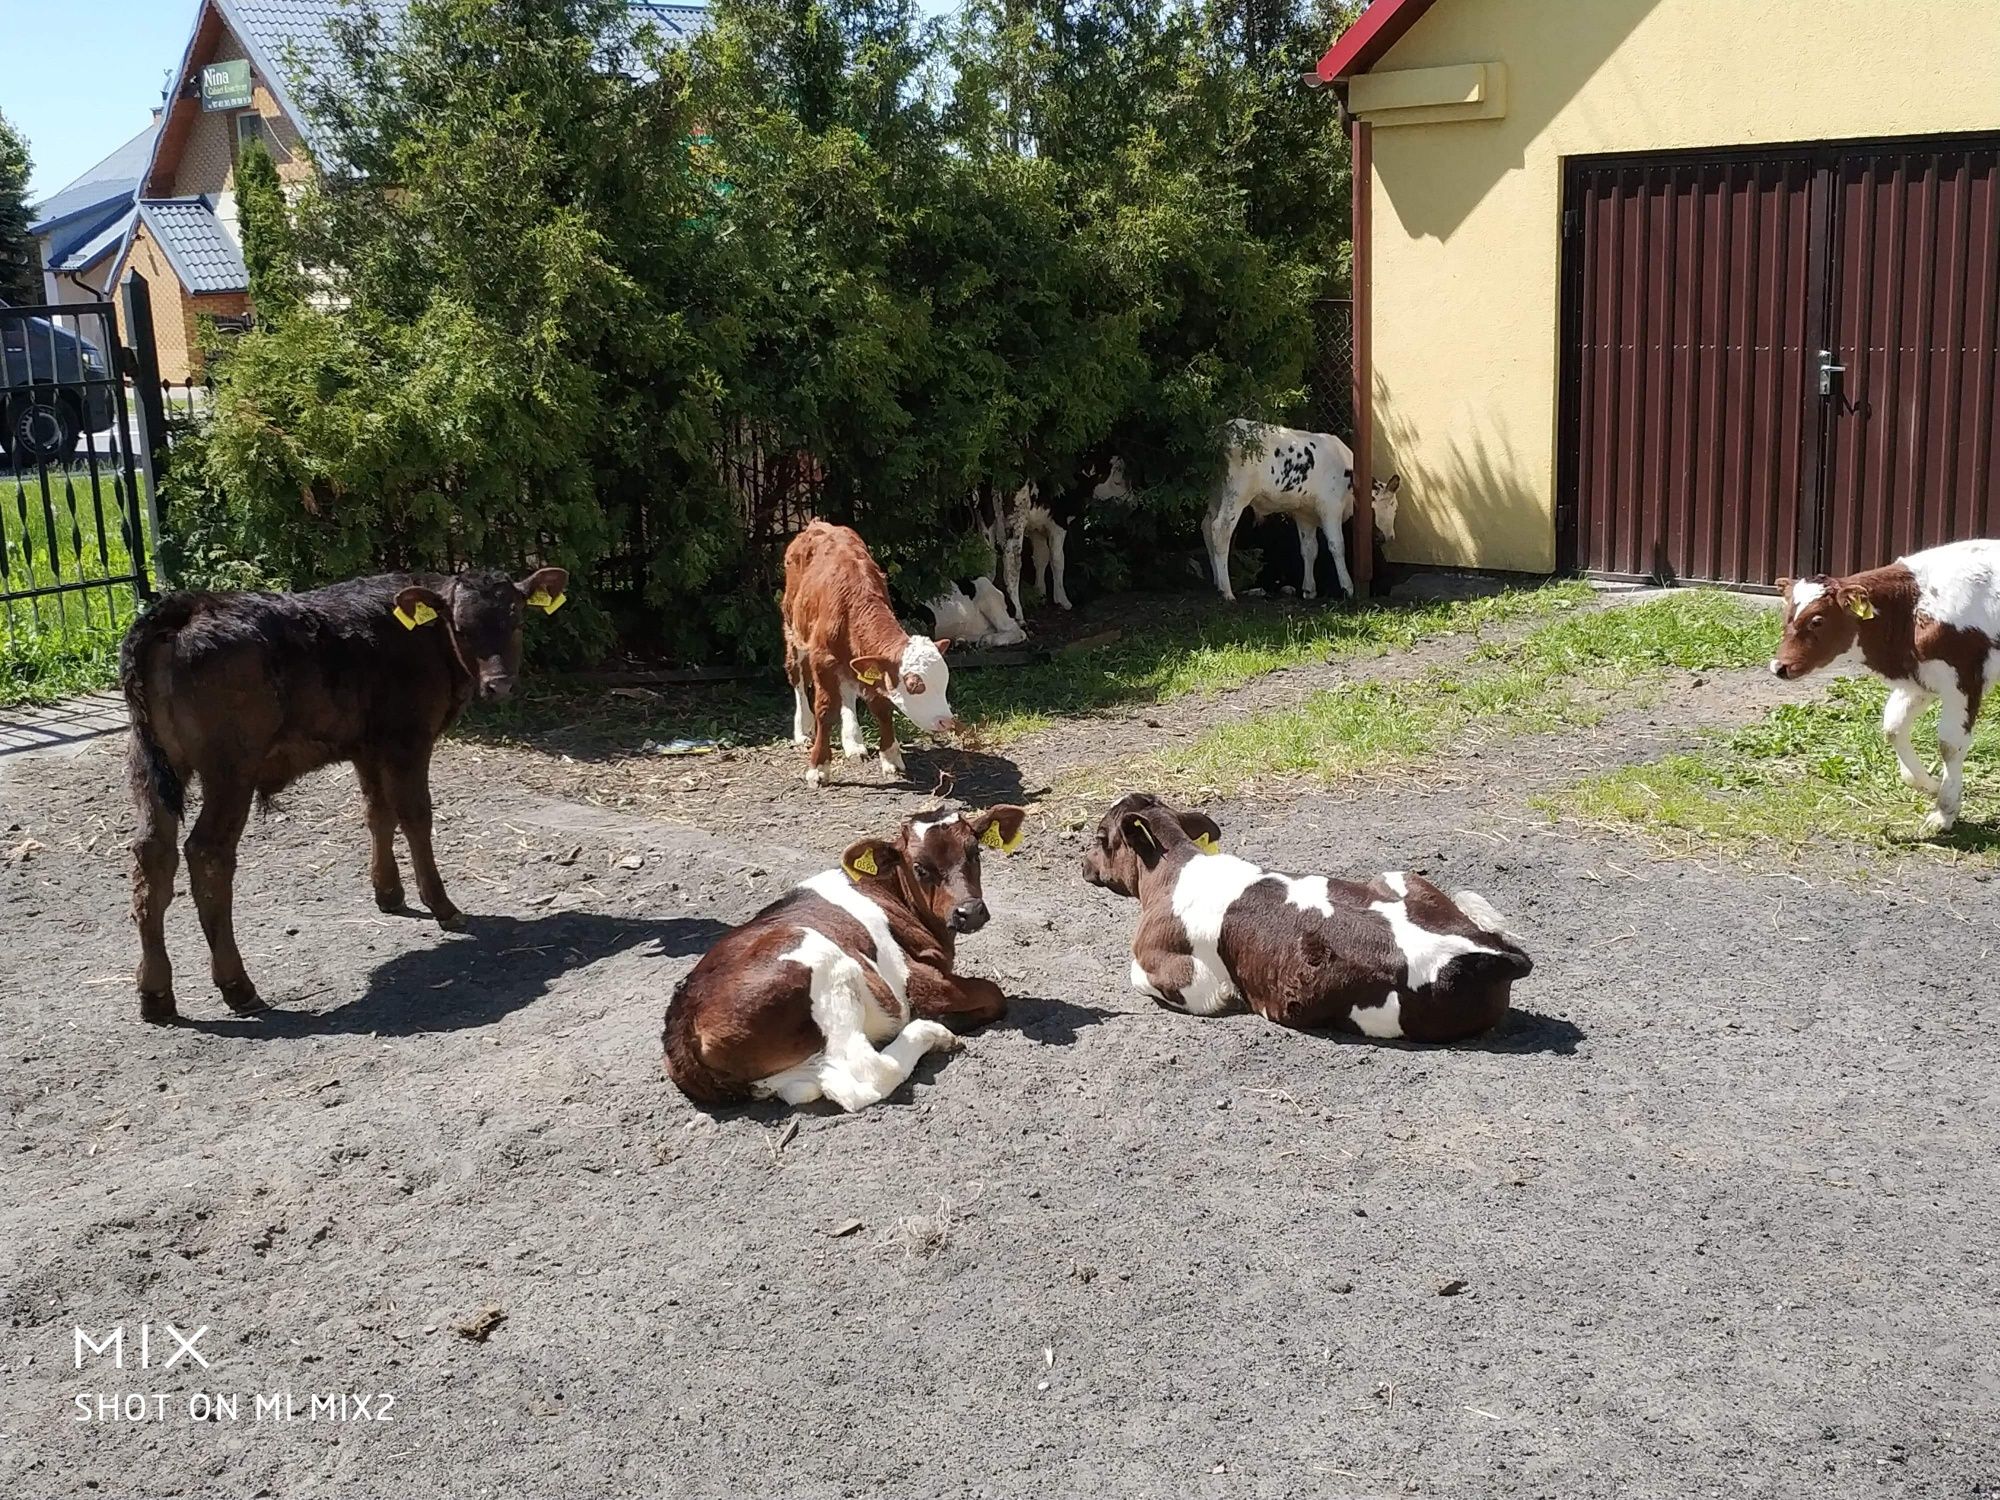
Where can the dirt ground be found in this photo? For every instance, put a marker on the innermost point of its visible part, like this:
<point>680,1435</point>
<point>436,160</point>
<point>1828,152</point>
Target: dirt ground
<point>1713,1214</point>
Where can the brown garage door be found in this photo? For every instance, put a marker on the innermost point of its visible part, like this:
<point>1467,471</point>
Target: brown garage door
<point>1706,435</point>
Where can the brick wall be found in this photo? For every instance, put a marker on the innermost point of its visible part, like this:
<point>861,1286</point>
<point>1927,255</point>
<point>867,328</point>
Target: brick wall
<point>208,163</point>
<point>173,312</point>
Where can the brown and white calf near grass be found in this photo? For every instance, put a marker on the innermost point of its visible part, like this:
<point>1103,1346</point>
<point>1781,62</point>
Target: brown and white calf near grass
<point>1929,624</point>
<point>1394,957</point>
<point>838,988</point>
<point>843,645</point>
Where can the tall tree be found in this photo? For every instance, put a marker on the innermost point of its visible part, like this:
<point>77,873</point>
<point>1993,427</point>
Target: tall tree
<point>270,251</point>
<point>20,257</point>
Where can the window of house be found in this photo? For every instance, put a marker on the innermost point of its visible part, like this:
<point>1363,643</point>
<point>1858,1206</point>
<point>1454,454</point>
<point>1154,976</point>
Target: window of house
<point>250,127</point>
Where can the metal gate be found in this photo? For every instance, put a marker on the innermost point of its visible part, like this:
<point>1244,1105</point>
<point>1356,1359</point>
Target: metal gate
<point>75,531</point>
<point>1779,361</point>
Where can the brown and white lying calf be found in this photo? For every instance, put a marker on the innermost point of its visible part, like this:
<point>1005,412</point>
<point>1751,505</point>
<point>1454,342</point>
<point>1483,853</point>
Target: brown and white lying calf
<point>1930,624</point>
<point>1394,957</point>
<point>797,1001</point>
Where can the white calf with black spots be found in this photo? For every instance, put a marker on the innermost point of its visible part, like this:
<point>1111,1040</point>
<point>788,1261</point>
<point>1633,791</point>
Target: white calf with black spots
<point>1308,476</point>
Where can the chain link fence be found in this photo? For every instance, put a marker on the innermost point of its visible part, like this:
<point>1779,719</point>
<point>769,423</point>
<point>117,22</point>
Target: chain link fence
<point>1330,377</point>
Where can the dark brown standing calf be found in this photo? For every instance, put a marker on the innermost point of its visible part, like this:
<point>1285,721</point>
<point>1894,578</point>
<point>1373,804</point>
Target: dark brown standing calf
<point>1390,957</point>
<point>248,692</point>
<point>797,1001</point>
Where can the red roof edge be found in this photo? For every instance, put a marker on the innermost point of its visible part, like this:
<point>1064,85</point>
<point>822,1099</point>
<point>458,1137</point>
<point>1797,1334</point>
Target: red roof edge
<point>1374,32</point>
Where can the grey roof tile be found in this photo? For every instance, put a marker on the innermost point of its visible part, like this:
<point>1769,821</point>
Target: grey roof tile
<point>202,253</point>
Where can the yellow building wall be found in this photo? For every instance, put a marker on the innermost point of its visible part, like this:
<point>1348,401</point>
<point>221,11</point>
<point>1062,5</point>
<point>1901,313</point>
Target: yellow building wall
<point>1467,240</point>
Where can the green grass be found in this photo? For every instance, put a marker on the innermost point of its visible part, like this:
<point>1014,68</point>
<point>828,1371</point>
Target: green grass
<point>1212,648</point>
<point>61,644</point>
<point>1804,774</point>
<point>1189,644</point>
<point>1563,672</point>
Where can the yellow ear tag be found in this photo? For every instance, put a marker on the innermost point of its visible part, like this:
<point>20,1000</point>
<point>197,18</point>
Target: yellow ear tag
<point>542,600</point>
<point>871,678</point>
<point>862,864</point>
<point>1861,607</point>
<point>1207,844</point>
<point>423,616</point>
<point>994,839</point>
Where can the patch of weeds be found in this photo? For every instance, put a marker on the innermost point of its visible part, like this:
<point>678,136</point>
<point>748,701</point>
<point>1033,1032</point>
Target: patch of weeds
<point>64,529</point>
<point>1805,772</point>
<point>1188,645</point>
<point>1528,686</point>
<point>1214,647</point>
<point>1695,630</point>
<point>43,665</point>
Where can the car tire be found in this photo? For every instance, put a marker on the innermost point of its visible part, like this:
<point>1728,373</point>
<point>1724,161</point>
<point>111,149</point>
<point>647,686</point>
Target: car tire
<point>43,430</point>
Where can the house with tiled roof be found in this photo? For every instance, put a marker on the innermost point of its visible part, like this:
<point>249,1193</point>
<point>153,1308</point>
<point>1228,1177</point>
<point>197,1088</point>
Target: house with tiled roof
<point>238,81</point>
<point>80,227</point>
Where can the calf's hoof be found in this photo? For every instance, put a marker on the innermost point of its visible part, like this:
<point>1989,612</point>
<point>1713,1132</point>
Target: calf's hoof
<point>450,918</point>
<point>815,777</point>
<point>391,901</point>
<point>937,1036</point>
<point>157,1007</point>
<point>1923,786</point>
<point>242,998</point>
<point>1938,822</point>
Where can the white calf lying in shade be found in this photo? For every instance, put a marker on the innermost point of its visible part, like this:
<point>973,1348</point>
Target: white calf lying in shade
<point>973,612</point>
<point>1392,957</point>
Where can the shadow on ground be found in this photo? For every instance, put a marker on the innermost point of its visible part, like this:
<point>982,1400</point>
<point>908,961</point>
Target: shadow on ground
<point>1054,1023</point>
<point>499,965</point>
<point>1523,1031</point>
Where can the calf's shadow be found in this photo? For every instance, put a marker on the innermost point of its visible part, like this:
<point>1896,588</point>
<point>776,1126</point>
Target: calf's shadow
<point>1521,1031</point>
<point>497,966</point>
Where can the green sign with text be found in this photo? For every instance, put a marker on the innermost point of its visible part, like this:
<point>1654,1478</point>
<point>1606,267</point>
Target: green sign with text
<point>226,85</point>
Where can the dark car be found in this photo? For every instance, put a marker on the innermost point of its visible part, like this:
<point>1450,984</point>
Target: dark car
<point>55,385</point>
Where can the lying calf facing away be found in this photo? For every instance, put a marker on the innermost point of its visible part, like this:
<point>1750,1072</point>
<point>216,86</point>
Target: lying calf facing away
<point>1391,957</point>
<point>838,987</point>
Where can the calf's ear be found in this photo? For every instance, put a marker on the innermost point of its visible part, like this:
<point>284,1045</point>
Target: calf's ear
<point>866,858</point>
<point>545,589</point>
<point>871,669</point>
<point>1395,483</point>
<point>943,643</point>
<point>1204,830</point>
<point>1142,837</point>
<point>417,605</point>
<point>999,827</point>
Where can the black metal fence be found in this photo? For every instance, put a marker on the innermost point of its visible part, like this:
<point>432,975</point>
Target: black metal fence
<point>75,538</point>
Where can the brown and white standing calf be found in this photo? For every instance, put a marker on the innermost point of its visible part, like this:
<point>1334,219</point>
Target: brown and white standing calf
<point>1391,957</point>
<point>797,1001</point>
<point>249,692</point>
<point>1930,624</point>
<point>843,643</point>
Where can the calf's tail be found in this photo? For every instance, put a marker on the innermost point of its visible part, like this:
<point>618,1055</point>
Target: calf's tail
<point>157,624</point>
<point>685,1067</point>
